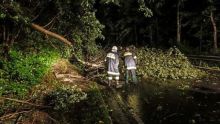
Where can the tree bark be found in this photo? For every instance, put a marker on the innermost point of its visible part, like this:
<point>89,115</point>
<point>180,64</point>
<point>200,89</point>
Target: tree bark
<point>215,42</point>
<point>157,41</point>
<point>200,38</point>
<point>151,36</point>
<point>52,34</point>
<point>178,24</point>
<point>135,35</point>
<point>5,43</point>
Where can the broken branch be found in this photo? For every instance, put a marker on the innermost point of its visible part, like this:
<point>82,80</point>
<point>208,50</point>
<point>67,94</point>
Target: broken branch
<point>24,102</point>
<point>100,65</point>
<point>52,34</point>
<point>11,115</point>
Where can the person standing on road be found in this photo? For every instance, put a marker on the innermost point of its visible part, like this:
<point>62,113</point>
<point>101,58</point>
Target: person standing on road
<point>130,65</point>
<point>112,60</point>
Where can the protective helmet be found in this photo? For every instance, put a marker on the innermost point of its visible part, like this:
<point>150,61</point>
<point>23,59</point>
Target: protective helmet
<point>114,48</point>
<point>127,49</point>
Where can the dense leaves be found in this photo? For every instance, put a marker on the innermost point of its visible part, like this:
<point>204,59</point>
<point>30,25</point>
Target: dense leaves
<point>171,64</point>
<point>13,12</point>
<point>64,98</point>
<point>23,71</point>
<point>76,106</point>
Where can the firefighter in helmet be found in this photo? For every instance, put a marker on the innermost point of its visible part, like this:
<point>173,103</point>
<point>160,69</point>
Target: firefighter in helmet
<point>112,60</point>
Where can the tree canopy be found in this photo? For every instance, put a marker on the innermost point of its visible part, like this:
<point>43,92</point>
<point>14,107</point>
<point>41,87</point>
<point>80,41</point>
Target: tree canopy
<point>157,23</point>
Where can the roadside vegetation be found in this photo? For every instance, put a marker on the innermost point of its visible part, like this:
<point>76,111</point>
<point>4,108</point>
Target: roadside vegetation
<point>169,64</point>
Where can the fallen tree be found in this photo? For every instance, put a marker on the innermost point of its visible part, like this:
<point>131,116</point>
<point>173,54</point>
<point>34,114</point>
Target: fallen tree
<point>52,34</point>
<point>64,40</point>
<point>93,65</point>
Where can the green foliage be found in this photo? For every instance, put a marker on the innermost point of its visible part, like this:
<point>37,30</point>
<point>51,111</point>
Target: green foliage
<point>6,104</point>
<point>28,62</point>
<point>142,8</point>
<point>75,106</point>
<point>90,30</point>
<point>14,88</point>
<point>64,98</point>
<point>85,28</point>
<point>96,110</point>
<point>2,15</point>
<point>171,64</point>
<point>116,2</point>
<point>13,12</point>
<point>24,70</point>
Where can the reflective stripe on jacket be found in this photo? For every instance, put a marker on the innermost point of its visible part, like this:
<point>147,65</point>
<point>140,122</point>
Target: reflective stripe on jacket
<point>113,62</point>
<point>130,60</point>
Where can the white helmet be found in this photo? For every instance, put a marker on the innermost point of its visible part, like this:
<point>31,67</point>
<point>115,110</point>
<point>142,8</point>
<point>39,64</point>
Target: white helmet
<point>114,48</point>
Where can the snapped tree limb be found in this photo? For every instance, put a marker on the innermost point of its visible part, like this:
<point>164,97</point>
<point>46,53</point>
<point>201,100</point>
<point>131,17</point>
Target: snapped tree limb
<point>52,34</point>
<point>61,38</point>
<point>100,65</point>
<point>11,115</point>
<point>24,102</point>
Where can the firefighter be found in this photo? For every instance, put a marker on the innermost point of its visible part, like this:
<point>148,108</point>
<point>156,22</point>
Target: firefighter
<point>130,65</point>
<point>112,60</point>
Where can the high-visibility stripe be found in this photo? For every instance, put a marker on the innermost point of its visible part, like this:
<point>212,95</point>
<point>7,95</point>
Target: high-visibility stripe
<point>117,78</point>
<point>113,73</point>
<point>110,78</point>
<point>111,55</point>
<point>135,57</point>
<point>133,67</point>
<point>127,54</point>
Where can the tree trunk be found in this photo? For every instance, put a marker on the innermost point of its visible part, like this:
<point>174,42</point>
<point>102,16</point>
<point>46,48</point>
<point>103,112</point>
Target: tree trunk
<point>200,38</point>
<point>135,35</point>
<point>215,43</point>
<point>5,42</point>
<point>178,24</point>
<point>52,34</point>
<point>157,33</point>
<point>151,36</point>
